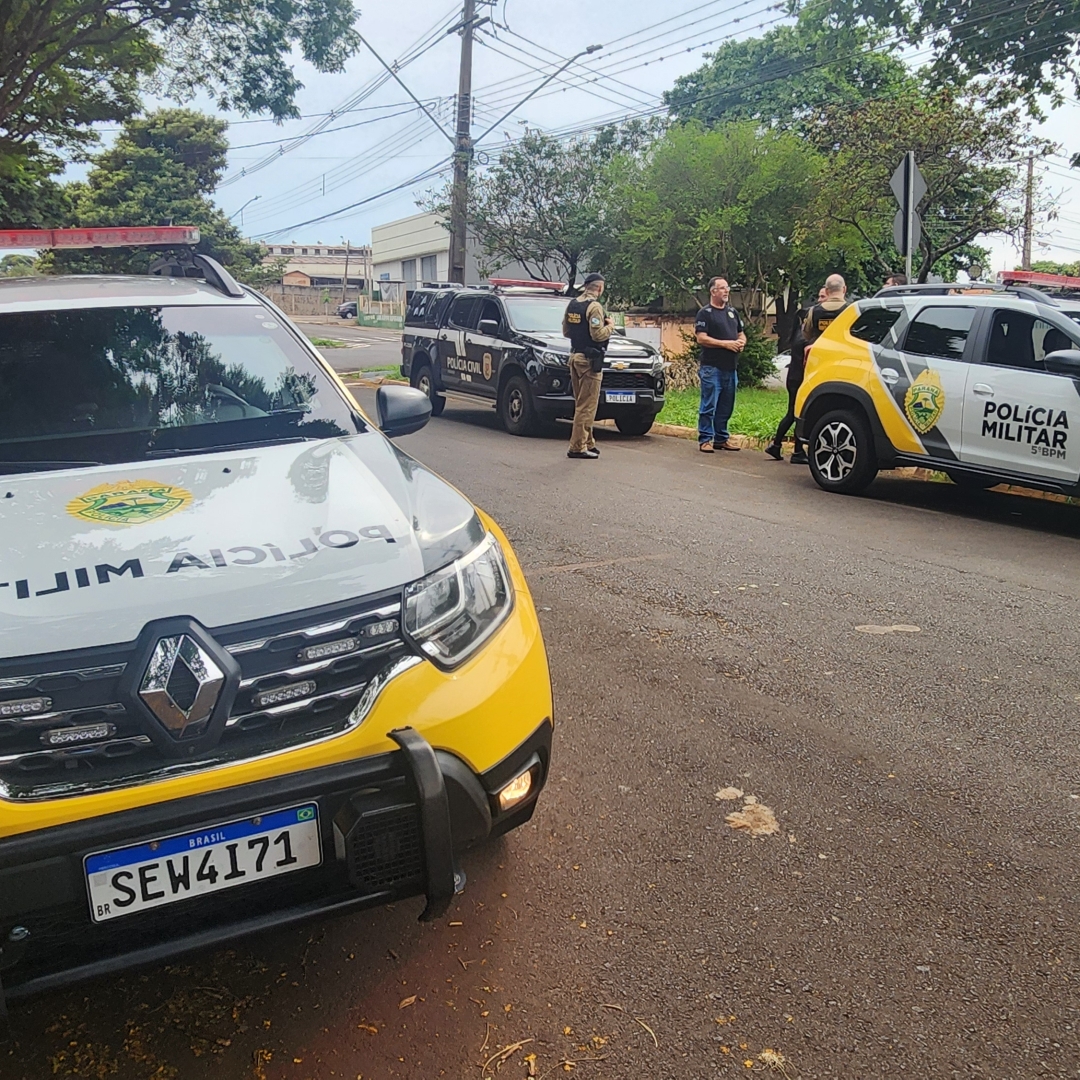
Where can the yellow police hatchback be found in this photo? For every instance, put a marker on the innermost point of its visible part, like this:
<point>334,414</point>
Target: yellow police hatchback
<point>256,663</point>
<point>980,382</point>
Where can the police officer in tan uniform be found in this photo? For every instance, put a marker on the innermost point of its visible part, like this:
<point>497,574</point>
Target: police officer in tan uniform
<point>588,327</point>
<point>822,313</point>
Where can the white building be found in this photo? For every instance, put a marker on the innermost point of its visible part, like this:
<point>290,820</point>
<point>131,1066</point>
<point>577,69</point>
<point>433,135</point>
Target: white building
<point>416,250</point>
<point>322,264</point>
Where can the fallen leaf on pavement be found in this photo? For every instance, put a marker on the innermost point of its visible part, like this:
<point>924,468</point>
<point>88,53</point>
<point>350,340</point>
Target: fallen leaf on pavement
<point>756,819</point>
<point>728,793</point>
<point>404,1003</point>
<point>896,628</point>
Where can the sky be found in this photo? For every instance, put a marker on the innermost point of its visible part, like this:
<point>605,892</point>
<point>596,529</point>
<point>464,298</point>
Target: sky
<point>378,140</point>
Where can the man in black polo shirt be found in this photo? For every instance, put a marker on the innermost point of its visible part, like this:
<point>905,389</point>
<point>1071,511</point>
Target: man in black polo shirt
<point>719,332</point>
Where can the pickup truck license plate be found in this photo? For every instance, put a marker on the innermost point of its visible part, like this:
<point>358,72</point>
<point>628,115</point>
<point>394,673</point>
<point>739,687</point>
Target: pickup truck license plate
<point>131,879</point>
<point>620,397</point>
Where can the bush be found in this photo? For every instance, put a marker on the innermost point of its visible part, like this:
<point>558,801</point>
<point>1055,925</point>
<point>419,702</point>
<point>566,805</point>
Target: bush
<point>755,361</point>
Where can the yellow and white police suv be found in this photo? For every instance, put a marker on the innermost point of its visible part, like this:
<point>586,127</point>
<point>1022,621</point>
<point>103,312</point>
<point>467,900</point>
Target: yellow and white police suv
<point>981,382</point>
<point>256,663</point>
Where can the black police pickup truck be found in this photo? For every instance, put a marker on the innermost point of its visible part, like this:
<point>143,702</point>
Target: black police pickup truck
<point>505,343</point>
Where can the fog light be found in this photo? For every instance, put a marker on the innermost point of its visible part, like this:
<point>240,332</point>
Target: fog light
<point>24,707</point>
<point>282,694</point>
<point>516,790</point>
<point>331,648</point>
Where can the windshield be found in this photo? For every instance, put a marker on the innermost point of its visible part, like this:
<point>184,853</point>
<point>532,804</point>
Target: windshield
<point>536,315</point>
<point>123,384</point>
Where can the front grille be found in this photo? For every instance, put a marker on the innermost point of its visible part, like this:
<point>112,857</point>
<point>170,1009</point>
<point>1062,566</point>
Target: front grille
<point>305,676</point>
<point>627,380</point>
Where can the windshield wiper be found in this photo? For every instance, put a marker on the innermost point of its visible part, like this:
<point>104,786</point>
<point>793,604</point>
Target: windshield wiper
<point>42,466</point>
<point>180,451</point>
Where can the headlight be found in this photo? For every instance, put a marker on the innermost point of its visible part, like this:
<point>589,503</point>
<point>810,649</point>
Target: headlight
<point>452,612</point>
<point>555,359</point>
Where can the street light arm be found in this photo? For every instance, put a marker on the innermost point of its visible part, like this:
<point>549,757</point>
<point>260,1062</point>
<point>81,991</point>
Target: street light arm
<point>394,75</point>
<point>536,89</point>
<point>254,198</point>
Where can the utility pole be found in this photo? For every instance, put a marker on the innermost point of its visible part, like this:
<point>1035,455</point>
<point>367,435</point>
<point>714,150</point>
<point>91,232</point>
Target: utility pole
<point>345,276</point>
<point>1029,212</point>
<point>462,150</point>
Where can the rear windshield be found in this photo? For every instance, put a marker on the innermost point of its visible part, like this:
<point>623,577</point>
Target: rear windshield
<point>126,384</point>
<point>536,316</point>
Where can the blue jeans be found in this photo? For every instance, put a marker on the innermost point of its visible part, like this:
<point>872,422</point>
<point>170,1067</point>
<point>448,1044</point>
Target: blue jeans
<point>717,403</point>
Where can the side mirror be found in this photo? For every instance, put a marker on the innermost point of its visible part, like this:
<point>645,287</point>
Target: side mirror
<point>402,410</point>
<point>489,327</point>
<point>1064,362</point>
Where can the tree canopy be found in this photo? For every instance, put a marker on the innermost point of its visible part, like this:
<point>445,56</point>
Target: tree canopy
<point>161,168</point>
<point>967,154</point>
<point>1025,47</point>
<point>700,203</point>
<point>66,65</point>
<point>789,75</point>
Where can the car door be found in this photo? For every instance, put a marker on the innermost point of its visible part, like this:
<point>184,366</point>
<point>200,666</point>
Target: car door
<point>484,350</point>
<point>452,360</point>
<point>927,375</point>
<point>1018,417</point>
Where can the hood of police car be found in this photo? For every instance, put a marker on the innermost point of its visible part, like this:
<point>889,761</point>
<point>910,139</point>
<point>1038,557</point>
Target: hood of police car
<point>89,556</point>
<point>618,346</point>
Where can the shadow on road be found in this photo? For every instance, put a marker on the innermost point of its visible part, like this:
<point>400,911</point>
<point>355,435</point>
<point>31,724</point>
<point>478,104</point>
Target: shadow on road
<point>1060,519</point>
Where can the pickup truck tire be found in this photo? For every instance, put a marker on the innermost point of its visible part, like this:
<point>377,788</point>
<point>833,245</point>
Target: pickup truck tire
<point>423,381</point>
<point>841,450</point>
<point>517,412</point>
<point>634,423</point>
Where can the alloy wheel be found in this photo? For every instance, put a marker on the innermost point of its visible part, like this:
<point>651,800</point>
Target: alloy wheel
<point>835,451</point>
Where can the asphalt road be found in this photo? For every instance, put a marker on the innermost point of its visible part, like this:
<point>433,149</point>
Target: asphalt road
<point>363,347</point>
<point>894,676</point>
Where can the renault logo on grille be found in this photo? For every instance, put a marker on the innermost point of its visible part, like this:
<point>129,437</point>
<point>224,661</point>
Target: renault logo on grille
<point>182,684</point>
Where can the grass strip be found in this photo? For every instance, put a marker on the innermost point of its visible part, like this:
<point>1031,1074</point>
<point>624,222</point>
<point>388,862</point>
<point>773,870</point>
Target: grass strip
<point>757,412</point>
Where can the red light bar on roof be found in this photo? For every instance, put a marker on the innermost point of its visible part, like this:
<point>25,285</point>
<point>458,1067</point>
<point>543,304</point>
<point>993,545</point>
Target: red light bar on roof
<point>514,283</point>
<point>1030,277</point>
<point>153,236</point>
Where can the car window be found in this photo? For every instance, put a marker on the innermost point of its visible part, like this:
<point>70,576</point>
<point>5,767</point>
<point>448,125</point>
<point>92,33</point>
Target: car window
<point>440,301</point>
<point>1021,340</point>
<point>420,305</point>
<point>490,310</point>
<point>941,332</point>
<point>875,324</point>
<point>1050,339</point>
<point>124,384</point>
<point>463,313</point>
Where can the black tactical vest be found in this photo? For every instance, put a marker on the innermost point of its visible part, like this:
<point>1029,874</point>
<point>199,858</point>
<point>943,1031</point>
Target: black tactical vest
<point>821,317</point>
<point>581,341</point>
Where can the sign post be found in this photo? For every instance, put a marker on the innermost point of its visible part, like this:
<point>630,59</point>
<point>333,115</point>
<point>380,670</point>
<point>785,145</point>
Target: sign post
<point>909,187</point>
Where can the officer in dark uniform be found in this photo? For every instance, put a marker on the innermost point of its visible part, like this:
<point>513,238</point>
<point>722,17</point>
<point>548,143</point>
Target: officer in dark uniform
<point>588,327</point>
<point>822,313</point>
<point>795,372</point>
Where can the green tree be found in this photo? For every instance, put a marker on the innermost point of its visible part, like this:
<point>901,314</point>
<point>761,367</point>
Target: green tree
<point>964,150</point>
<point>1045,266</point>
<point>161,168</point>
<point>68,64</point>
<point>701,203</point>
<point>16,265</point>
<point>1025,48</point>
<point>541,203</point>
<point>789,75</point>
